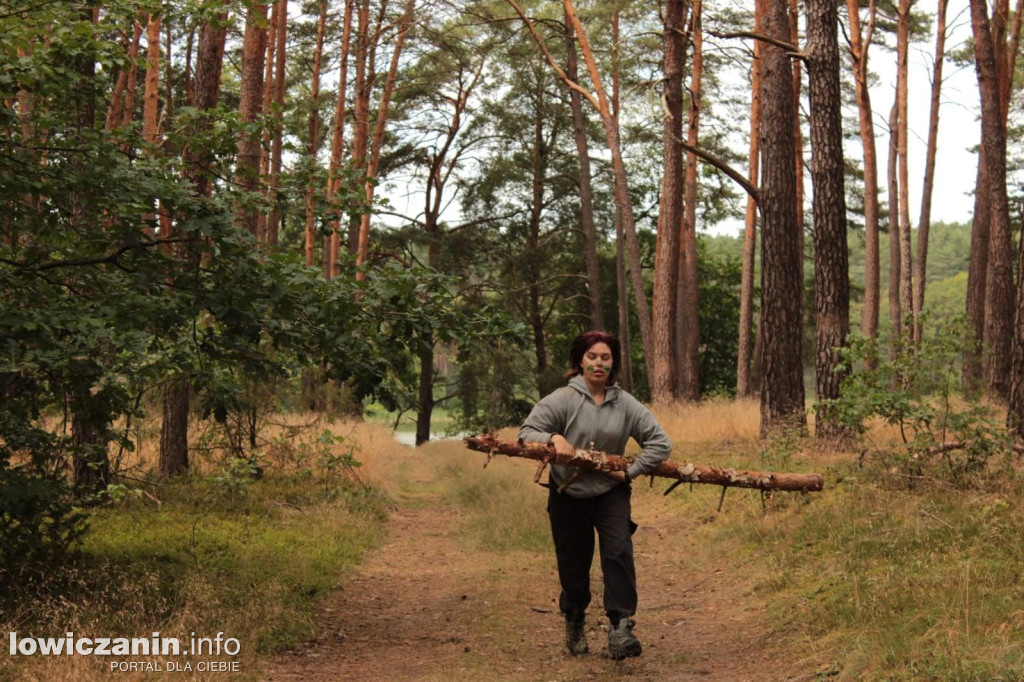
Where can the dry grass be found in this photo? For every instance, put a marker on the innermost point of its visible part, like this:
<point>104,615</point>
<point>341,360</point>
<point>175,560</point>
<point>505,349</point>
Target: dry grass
<point>214,552</point>
<point>868,580</point>
<point>712,421</point>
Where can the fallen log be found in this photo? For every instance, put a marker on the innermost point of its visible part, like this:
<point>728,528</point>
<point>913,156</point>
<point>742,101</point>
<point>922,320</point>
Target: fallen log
<point>595,460</point>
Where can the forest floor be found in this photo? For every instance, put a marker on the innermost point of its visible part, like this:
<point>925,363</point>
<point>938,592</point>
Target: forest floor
<point>425,605</point>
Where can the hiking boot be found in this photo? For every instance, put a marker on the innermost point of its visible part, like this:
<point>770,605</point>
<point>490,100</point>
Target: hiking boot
<point>576,637</point>
<point>621,641</point>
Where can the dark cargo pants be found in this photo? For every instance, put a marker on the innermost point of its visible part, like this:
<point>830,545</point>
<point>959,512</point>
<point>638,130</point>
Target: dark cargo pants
<point>573,522</point>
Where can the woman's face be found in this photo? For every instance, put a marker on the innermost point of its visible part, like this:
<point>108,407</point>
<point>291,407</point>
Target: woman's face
<point>597,363</point>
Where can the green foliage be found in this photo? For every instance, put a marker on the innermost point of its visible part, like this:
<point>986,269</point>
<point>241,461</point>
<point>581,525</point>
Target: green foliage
<point>941,433</point>
<point>99,305</point>
<point>917,585</point>
<point>37,520</point>
<point>720,274</point>
<point>948,253</point>
<point>235,474</point>
<point>253,565</point>
<point>490,393</point>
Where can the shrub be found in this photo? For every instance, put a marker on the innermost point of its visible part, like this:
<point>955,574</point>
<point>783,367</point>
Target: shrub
<point>939,432</point>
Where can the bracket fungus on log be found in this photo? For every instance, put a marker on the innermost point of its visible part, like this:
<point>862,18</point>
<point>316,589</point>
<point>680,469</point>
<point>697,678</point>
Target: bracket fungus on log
<point>682,473</point>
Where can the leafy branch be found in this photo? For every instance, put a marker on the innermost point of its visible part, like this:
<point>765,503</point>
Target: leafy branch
<point>37,265</point>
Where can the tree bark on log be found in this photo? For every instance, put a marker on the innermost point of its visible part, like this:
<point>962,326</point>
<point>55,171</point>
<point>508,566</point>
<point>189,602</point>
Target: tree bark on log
<point>596,460</point>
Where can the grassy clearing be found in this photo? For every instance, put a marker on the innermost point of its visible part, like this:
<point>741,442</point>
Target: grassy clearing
<point>907,585</point>
<point>866,580</point>
<point>218,552</point>
<point>880,581</point>
<point>502,509</point>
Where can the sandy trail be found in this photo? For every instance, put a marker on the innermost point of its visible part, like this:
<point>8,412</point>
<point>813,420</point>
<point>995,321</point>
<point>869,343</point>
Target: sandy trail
<point>423,607</point>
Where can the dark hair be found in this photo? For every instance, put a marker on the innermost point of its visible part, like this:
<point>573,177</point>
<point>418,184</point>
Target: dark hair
<point>582,343</point>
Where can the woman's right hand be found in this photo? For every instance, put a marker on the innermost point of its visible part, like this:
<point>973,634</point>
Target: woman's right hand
<point>562,446</point>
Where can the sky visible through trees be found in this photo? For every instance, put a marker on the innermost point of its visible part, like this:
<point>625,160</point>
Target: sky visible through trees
<point>959,130</point>
<point>224,223</point>
<point>429,154</point>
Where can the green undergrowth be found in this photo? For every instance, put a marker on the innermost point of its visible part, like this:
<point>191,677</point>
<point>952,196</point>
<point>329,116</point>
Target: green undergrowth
<point>246,557</point>
<point>869,579</point>
<point>501,508</point>
<point>907,585</point>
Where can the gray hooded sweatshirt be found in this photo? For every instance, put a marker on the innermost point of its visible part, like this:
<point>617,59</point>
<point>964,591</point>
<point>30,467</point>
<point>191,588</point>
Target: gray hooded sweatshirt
<point>572,412</point>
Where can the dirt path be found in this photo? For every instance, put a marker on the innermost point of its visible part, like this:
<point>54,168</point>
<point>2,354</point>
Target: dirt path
<point>423,608</point>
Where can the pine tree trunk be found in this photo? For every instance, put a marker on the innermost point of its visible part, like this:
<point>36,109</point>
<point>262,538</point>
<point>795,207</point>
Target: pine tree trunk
<point>670,218</point>
<point>757,366</point>
<point>378,136</point>
<point>277,144</point>
<point>12,227</point>
<point>169,72</point>
<point>332,267</point>
<point>589,228</point>
<point>268,98</point>
<point>895,313</point>
<point>174,430</point>
<point>426,391</point>
<point>999,295</point>
<point>798,136</point>
<point>314,134</point>
<point>151,105</point>
<point>599,99</point>
<point>132,88</point>
<point>743,354</point>
<point>906,330</point>
<point>1006,82</point>
<point>151,98</point>
<point>115,111</point>
<point>1015,414</point>
<point>831,261</point>
<point>361,125</point>
<point>437,178</point>
<point>924,223</point>
<point>998,27</point>
<point>190,95</point>
<point>91,465</point>
<point>782,390</point>
<point>621,284</point>
<point>977,278</point>
<point>250,108</point>
<point>91,468</point>
<point>688,290</point>
<point>622,296</point>
<point>539,166</point>
<point>620,186</point>
<point>859,46</point>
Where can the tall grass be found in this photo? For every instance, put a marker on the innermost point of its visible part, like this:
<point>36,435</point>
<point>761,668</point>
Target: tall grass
<point>218,551</point>
<point>865,580</point>
<point>880,581</point>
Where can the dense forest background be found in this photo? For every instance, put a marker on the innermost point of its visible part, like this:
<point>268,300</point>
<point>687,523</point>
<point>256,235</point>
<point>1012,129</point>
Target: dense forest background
<point>220,213</point>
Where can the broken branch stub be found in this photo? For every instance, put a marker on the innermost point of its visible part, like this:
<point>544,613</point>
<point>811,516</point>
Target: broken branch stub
<point>596,460</point>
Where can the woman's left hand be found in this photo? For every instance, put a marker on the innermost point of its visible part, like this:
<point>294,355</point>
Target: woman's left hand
<point>619,476</point>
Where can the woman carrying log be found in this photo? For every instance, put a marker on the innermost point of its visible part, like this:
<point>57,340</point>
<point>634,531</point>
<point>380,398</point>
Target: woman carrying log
<point>593,412</point>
